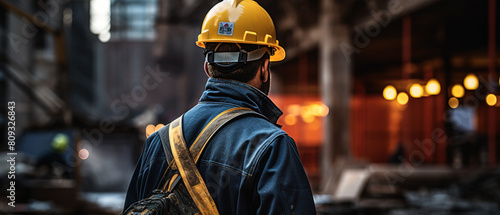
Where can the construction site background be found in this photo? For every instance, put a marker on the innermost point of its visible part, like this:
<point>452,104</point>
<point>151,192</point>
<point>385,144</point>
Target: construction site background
<point>393,104</point>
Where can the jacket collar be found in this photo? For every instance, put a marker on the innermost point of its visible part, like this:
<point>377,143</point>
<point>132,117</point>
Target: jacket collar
<point>242,95</point>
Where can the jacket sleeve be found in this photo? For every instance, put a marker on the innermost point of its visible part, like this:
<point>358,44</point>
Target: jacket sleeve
<point>281,183</point>
<point>148,171</point>
<point>132,192</point>
<point>136,184</point>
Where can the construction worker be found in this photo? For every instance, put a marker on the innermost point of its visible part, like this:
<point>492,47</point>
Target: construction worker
<point>250,166</point>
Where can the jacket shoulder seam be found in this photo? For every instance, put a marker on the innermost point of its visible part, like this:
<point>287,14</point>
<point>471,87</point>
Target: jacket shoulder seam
<point>262,150</point>
<point>226,167</point>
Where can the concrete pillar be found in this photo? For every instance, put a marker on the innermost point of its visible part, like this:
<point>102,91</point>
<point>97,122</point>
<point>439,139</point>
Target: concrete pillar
<point>335,82</point>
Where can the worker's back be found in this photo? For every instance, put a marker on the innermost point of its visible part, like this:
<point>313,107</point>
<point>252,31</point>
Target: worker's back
<point>249,166</point>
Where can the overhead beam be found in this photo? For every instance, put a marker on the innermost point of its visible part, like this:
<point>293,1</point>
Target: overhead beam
<point>395,9</point>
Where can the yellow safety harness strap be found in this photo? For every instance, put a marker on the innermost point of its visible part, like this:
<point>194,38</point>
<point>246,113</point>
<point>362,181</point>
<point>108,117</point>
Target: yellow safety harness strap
<point>185,160</point>
<point>189,172</point>
<point>202,139</point>
<point>217,122</point>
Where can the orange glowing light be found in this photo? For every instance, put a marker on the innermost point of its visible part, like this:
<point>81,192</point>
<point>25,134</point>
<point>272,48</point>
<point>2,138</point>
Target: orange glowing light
<point>416,90</point>
<point>457,91</point>
<point>290,119</point>
<point>294,109</point>
<point>389,92</point>
<point>453,102</point>
<point>433,87</point>
<point>471,82</point>
<point>402,98</point>
<point>150,129</point>
<point>159,126</point>
<point>308,118</point>
<point>491,99</point>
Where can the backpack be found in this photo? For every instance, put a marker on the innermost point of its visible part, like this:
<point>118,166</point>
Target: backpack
<point>189,195</point>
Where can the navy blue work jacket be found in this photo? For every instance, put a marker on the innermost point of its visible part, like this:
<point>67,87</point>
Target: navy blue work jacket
<point>250,166</point>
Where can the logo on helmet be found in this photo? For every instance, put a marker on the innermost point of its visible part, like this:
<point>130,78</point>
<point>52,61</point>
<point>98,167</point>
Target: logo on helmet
<point>226,28</point>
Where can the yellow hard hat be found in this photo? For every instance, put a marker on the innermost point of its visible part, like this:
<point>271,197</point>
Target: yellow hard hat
<point>240,21</point>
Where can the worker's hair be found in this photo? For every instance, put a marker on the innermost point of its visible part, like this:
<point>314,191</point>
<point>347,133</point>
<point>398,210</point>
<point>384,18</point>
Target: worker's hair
<point>244,73</point>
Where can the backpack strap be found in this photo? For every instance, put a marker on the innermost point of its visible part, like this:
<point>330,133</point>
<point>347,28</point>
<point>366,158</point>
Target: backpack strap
<point>185,160</point>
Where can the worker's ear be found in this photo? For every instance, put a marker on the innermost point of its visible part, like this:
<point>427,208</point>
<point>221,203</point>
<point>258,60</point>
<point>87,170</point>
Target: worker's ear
<point>265,71</point>
<point>206,69</point>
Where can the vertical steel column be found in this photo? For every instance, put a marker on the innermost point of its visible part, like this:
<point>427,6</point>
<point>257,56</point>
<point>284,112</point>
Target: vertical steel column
<point>491,72</point>
<point>428,121</point>
<point>406,123</point>
<point>335,82</point>
<point>406,50</point>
